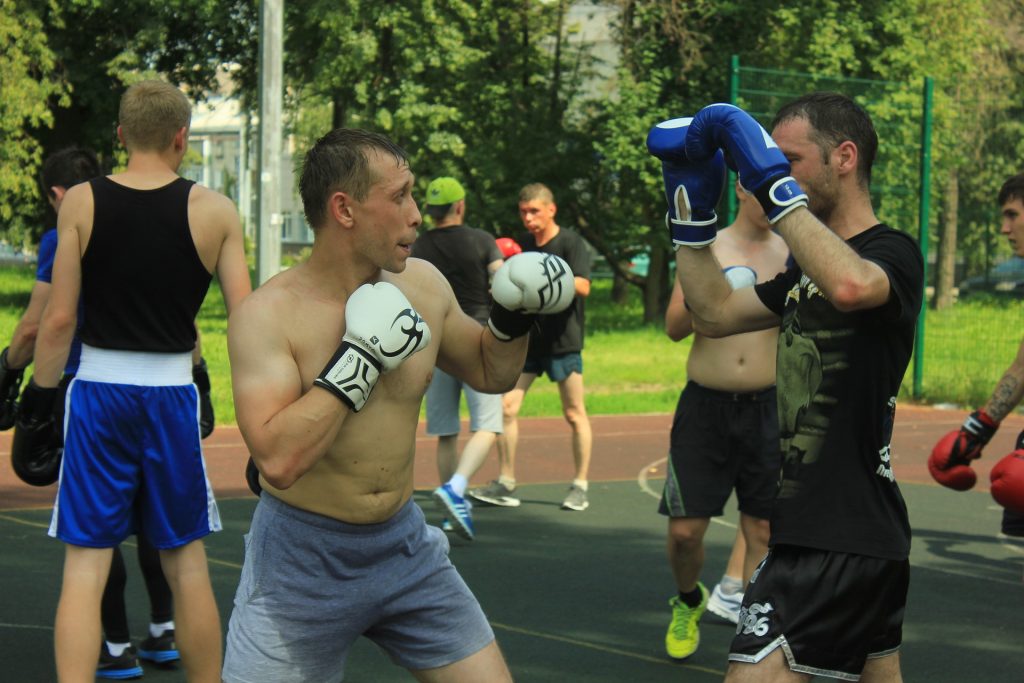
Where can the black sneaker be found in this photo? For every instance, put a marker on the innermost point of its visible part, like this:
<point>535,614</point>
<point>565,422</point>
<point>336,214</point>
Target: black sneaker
<point>123,667</point>
<point>161,649</point>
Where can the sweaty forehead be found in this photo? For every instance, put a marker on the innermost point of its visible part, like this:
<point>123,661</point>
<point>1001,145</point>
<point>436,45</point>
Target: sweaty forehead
<point>389,172</point>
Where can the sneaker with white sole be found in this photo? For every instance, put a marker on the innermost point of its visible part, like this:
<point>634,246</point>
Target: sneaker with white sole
<point>495,493</point>
<point>456,508</point>
<point>725,606</point>
<point>576,500</point>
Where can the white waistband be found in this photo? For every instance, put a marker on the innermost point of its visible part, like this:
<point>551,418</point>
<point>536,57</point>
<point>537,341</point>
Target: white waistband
<point>140,368</point>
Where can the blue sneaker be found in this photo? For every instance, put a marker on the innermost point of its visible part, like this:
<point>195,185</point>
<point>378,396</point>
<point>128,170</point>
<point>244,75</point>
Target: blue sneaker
<point>457,509</point>
<point>118,668</point>
<point>160,649</point>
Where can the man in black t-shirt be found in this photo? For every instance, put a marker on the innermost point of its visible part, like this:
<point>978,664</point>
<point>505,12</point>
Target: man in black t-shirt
<point>467,257</point>
<point>829,598</point>
<point>556,347</point>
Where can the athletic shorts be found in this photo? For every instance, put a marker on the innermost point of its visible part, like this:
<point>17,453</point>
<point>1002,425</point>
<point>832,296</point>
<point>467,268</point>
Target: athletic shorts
<point>829,612</point>
<point>443,406</point>
<point>722,441</point>
<point>558,367</point>
<point>132,456</point>
<point>311,585</point>
<point>1013,523</point>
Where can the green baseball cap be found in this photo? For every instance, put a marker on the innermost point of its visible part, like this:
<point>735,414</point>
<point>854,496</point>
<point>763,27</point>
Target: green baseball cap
<point>444,190</point>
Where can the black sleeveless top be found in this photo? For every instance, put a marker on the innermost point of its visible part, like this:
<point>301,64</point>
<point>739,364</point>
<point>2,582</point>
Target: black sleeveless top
<point>142,279</point>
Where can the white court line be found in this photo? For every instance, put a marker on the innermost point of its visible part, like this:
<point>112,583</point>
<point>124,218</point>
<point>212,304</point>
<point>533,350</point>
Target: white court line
<point>26,626</point>
<point>641,479</point>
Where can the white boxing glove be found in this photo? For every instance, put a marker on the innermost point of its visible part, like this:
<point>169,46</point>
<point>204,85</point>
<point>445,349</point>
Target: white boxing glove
<point>528,284</point>
<point>382,329</point>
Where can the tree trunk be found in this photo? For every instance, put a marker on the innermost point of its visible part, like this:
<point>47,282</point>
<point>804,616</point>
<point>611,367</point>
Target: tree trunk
<point>620,289</point>
<point>945,264</point>
<point>655,290</point>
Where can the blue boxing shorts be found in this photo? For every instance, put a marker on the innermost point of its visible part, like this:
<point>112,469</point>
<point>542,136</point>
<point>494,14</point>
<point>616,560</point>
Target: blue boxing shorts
<point>132,456</point>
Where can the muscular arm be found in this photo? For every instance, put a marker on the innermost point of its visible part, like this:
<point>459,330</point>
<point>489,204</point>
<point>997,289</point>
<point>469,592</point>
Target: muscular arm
<point>232,269</point>
<point>19,353</point>
<point>716,309</point>
<point>287,431</point>
<point>60,318</point>
<point>1010,389</point>
<point>850,282</point>
<point>469,351</point>
<point>678,322</point>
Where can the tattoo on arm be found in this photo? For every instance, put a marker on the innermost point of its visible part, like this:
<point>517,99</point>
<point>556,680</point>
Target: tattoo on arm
<point>1005,397</point>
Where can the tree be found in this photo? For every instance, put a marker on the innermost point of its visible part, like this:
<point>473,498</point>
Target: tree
<point>30,81</point>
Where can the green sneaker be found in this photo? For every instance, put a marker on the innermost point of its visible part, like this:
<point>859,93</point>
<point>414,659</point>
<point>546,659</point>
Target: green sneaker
<point>683,635</point>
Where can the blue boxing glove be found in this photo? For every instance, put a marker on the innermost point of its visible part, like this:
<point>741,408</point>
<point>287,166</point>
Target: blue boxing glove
<point>691,188</point>
<point>762,167</point>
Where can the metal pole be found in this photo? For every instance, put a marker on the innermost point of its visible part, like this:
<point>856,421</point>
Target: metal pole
<point>923,231</point>
<point>734,96</point>
<point>269,221</point>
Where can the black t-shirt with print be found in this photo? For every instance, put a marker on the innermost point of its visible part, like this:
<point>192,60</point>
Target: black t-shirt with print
<point>462,254</point>
<point>562,332</point>
<point>838,375</point>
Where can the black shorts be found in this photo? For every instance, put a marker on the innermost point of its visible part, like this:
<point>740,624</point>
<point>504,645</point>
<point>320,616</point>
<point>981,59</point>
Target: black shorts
<point>1013,523</point>
<point>721,441</point>
<point>829,612</point>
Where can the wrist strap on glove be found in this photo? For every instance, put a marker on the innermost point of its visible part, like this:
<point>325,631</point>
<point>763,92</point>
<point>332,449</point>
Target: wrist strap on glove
<point>981,425</point>
<point>779,197</point>
<point>350,375</point>
<point>507,325</point>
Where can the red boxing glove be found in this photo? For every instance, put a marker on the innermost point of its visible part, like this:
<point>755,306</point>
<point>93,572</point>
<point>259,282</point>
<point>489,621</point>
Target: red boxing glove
<point>509,247</point>
<point>947,469</point>
<point>1008,482</point>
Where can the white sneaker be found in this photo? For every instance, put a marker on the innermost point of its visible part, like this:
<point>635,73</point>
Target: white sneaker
<point>725,606</point>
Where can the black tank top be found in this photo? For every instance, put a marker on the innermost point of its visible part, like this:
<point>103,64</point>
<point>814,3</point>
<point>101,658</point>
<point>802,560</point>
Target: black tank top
<point>142,279</point>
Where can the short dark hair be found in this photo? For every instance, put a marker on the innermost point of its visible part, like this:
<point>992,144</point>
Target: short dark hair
<point>1013,188</point>
<point>338,162</point>
<point>438,211</point>
<point>834,119</point>
<point>68,167</point>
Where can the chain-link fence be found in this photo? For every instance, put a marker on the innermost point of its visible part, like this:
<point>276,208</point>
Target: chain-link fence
<point>961,350</point>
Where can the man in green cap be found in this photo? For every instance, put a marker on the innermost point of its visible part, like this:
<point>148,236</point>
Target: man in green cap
<point>467,257</point>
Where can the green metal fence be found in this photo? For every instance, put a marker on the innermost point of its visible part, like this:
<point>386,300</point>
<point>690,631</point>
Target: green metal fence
<point>960,352</point>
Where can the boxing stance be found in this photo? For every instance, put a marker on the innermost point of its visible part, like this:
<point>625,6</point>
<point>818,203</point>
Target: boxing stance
<point>950,460</point>
<point>828,600</point>
<point>330,362</point>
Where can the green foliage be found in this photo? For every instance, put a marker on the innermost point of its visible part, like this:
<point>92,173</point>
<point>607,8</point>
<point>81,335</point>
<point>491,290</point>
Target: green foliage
<point>28,73</point>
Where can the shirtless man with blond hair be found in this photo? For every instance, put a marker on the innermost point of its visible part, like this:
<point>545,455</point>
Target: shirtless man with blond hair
<point>337,548</point>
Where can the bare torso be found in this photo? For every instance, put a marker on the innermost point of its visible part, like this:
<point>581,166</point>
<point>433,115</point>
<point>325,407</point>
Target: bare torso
<point>742,362</point>
<point>365,476</point>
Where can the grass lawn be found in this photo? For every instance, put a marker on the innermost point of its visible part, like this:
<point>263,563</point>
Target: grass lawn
<point>633,368</point>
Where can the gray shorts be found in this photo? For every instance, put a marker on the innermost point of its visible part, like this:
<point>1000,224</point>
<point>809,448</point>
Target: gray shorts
<point>311,585</point>
<point>443,406</point>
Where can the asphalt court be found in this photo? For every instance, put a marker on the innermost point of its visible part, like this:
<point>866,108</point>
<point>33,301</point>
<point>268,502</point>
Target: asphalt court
<point>583,596</point>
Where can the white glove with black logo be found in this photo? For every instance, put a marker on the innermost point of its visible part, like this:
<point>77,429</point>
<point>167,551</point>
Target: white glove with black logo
<point>528,284</point>
<point>382,329</point>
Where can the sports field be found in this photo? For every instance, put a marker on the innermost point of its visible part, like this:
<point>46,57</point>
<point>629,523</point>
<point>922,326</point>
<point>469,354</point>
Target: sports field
<point>583,596</point>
